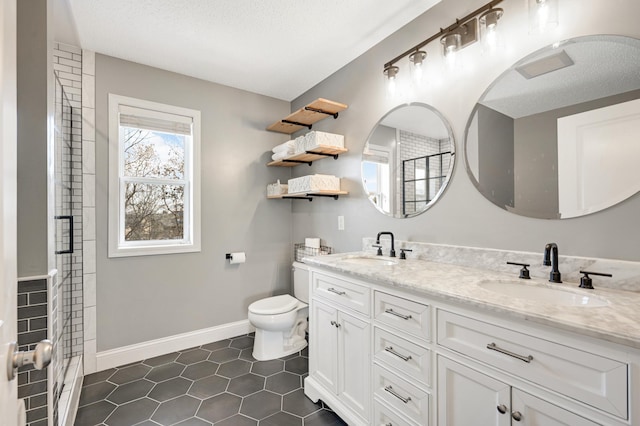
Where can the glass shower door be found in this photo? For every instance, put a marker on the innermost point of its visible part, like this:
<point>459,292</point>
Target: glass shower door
<point>61,330</point>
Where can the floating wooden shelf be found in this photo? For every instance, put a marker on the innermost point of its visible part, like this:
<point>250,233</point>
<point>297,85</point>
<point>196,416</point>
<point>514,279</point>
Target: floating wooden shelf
<point>322,151</point>
<point>309,195</point>
<point>307,116</point>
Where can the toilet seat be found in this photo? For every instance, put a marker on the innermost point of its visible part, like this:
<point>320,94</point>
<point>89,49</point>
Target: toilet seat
<point>274,305</point>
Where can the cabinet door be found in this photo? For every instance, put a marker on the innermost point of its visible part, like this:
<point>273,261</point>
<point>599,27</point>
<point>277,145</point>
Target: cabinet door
<point>354,363</point>
<point>323,345</point>
<point>468,397</point>
<point>531,411</point>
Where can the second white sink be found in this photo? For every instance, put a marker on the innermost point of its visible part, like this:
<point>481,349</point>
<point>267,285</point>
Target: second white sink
<point>549,295</point>
<point>370,261</point>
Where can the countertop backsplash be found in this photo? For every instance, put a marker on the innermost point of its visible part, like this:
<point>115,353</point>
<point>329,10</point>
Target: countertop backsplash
<point>626,274</point>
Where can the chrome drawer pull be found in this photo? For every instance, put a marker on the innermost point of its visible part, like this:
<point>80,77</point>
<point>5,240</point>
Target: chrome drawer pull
<point>399,355</point>
<point>333,290</point>
<point>392,312</point>
<point>394,393</point>
<point>494,347</point>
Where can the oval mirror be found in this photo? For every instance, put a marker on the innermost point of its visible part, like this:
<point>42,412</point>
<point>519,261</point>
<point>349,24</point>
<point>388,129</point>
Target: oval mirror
<point>407,160</point>
<point>556,135</point>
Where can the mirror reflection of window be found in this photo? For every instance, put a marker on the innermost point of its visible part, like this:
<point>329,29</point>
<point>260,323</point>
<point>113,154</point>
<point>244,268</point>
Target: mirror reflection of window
<point>407,160</point>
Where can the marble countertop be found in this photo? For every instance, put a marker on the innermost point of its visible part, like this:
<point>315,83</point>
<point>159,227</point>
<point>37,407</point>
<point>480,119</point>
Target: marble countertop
<point>618,321</point>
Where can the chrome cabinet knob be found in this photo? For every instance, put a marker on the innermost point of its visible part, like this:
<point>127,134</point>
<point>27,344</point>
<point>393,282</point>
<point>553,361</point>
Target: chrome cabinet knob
<point>502,408</point>
<point>40,357</point>
<point>516,415</point>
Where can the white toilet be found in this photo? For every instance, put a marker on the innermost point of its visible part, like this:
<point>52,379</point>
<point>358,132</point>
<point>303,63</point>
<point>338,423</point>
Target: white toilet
<point>281,321</point>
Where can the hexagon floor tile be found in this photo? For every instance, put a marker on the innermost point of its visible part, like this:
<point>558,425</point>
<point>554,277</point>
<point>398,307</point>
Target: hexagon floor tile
<point>219,384</point>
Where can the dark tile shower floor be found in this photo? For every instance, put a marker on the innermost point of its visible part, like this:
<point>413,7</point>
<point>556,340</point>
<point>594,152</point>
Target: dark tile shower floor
<point>215,384</point>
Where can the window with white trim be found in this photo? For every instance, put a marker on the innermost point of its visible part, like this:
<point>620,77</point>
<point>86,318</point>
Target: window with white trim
<point>154,178</point>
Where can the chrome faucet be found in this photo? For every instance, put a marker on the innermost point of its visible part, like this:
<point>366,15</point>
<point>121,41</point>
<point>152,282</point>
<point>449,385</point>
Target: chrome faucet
<point>551,258</point>
<point>393,250</point>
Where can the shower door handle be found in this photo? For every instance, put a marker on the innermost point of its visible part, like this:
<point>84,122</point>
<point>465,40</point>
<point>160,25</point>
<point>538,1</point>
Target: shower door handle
<point>70,219</point>
<point>40,357</point>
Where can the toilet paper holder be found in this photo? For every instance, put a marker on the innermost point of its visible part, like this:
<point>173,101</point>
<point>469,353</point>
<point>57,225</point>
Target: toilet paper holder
<point>236,258</point>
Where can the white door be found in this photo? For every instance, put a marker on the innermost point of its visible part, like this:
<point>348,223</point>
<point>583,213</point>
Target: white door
<point>532,411</point>
<point>8,265</point>
<point>354,364</point>
<point>597,158</point>
<point>468,397</point>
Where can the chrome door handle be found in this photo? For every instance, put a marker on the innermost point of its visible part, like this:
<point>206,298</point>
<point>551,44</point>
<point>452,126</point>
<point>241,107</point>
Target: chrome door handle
<point>40,357</point>
<point>392,312</point>
<point>494,347</point>
<point>399,355</point>
<point>397,395</point>
<point>333,290</point>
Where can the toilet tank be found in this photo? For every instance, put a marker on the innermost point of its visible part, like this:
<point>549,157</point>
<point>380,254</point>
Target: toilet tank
<point>301,282</point>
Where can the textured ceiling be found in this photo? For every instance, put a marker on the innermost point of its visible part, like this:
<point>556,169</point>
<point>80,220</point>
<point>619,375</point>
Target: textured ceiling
<point>603,66</point>
<point>279,48</point>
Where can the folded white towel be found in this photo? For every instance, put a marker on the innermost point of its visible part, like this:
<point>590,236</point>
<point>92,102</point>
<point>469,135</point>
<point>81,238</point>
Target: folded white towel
<point>287,146</point>
<point>280,155</point>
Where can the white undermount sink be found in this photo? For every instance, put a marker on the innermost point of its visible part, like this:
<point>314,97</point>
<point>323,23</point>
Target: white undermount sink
<point>549,295</point>
<point>370,261</point>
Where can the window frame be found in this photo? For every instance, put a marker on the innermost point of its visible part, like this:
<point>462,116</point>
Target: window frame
<point>117,247</point>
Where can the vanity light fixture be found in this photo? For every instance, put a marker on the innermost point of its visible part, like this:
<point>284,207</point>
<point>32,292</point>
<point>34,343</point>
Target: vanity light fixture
<point>453,38</point>
<point>417,59</point>
<point>489,28</point>
<point>451,43</point>
<point>543,15</point>
<point>391,72</point>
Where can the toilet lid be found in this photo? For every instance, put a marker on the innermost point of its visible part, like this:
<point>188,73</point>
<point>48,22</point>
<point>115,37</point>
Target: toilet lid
<point>274,305</point>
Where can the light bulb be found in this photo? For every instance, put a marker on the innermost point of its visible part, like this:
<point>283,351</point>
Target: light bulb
<point>543,15</point>
<point>489,30</point>
<point>417,59</point>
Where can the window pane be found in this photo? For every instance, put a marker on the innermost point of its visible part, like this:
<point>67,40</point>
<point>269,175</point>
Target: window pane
<point>153,212</point>
<point>153,154</point>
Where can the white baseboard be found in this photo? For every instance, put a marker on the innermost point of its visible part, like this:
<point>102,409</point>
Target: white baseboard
<point>152,348</point>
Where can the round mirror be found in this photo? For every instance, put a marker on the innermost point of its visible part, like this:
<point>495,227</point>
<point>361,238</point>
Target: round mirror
<point>407,160</point>
<point>556,135</point>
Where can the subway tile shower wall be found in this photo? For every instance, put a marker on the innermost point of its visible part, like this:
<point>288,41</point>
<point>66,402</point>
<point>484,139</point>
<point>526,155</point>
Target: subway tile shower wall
<point>32,327</point>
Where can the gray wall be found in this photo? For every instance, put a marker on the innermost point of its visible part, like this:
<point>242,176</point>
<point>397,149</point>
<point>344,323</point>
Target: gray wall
<point>536,165</point>
<point>35,108</point>
<point>149,297</point>
<point>495,155</point>
<point>462,216</point>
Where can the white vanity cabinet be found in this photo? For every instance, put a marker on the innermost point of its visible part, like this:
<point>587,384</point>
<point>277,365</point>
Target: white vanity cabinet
<point>339,347</point>
<point>381,355</point>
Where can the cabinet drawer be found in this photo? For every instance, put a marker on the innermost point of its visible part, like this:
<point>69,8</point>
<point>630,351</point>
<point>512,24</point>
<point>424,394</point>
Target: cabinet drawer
<point>406,399</point>
<point>382,415</point>
<point>342,292</point>
<point>592,379</point>
<point>407,357</point>
<point>405,315</point>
